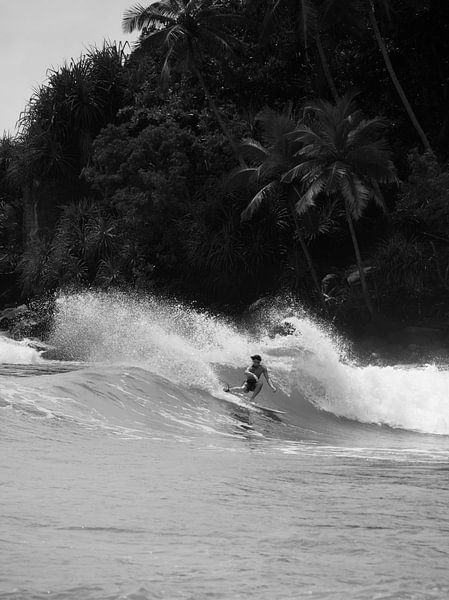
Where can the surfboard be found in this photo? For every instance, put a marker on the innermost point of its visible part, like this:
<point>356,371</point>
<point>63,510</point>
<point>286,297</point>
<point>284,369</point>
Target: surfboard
<point>275,411</point>
<point>248,404</point>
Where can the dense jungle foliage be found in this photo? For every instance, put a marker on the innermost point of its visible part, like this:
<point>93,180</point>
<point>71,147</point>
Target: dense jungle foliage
<point>238,149</point>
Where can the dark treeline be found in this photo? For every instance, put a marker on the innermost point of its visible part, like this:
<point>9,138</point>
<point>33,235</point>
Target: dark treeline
<point>242,148</point>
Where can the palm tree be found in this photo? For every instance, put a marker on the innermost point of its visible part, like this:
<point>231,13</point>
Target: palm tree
<point>310,22</point>
<point>394,78</point>
<point>271,160</point>
<point>351,15</point>
<point>343,155</point>
<point>186,31</point>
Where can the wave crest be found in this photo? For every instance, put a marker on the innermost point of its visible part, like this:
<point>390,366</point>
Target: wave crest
<point>195,350</point>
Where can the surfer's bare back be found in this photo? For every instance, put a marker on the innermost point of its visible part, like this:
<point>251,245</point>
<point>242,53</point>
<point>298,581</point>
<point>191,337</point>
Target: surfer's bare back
<point>253,381</point>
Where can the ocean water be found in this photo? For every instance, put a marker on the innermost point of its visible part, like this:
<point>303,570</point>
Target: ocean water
<point>127,473</point>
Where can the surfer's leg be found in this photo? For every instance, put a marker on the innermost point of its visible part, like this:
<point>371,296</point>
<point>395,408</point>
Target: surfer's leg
<point>257,389</point>
<point>237,390</point>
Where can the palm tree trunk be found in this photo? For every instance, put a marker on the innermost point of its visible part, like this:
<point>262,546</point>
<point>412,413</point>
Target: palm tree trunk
<point>310,264</point>
<point>30,216</point>
<point>216,112</point>
<point>326,69</point>
<point>358,258</point>
<point>395,80</point>
<point>306,252</point>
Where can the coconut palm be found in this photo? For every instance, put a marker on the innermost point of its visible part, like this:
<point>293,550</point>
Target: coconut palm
<point>310,23</point>
<point>352,16</point>
<point>270,161</point>
<point>186,31</point>
<point>314,17</point>
<point>343,155</point>
<point>393,76</point>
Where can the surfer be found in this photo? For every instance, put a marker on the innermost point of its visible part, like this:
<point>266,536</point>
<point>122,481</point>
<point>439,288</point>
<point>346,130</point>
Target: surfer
<point>253,381</point>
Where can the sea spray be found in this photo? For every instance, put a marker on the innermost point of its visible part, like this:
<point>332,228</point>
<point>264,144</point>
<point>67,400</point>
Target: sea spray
<point>169,339</point>
<point>191,348</point>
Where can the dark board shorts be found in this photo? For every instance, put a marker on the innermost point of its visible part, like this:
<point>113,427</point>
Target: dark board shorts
<point>250,385</point>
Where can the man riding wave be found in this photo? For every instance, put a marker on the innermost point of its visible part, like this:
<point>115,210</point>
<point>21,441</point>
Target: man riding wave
<point>253,381</point>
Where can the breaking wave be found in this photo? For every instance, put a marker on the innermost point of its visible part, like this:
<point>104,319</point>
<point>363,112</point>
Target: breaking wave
<point>150,367</point>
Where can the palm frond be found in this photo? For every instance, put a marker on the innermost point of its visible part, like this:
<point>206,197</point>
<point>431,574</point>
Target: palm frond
<point>336,172</point>
<point>356,195</point>
<point>153,40</point>
<point>323,219</point>
<point>275,125</point>
<point>241,177</point>
<point>367,130</point>
<point>307,136</point>
<point>373,161</point>
<point>308,198</point>
<point>140,18</point>
<point>175,37</point>
<point>175,42</point>
<point>264,194</point>
<point>294,173</point>
<point>253,150</point>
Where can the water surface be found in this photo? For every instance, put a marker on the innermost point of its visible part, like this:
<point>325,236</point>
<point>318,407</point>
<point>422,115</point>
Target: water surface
<point>126,473</point>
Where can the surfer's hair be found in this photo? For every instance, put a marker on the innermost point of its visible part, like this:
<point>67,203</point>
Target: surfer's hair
<point>256,357</point>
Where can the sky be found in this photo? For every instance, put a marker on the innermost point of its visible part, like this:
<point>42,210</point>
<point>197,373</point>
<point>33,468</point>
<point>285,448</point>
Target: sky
<point>38,34</point>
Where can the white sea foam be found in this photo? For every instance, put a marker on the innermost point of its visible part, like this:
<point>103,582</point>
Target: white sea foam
<point>17,352</point>
<point>411,397</point>
<point>189,347</point>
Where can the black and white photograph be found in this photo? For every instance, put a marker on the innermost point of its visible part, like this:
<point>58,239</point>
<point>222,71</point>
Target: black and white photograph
<point>224,300</point>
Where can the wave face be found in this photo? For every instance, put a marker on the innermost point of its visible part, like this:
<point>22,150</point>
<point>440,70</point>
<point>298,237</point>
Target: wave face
<point>151,367</point>
<point>197,351</point>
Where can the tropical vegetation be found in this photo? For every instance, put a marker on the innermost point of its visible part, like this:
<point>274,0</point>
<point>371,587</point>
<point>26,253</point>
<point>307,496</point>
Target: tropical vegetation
<point>241,149</point>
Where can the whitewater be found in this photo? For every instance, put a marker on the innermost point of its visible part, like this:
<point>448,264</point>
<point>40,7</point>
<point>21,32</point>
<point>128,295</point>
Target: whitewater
<point>126,473</point>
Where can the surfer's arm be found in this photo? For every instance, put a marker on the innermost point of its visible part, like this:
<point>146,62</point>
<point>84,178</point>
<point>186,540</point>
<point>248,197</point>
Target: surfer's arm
<point>267,377</point>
